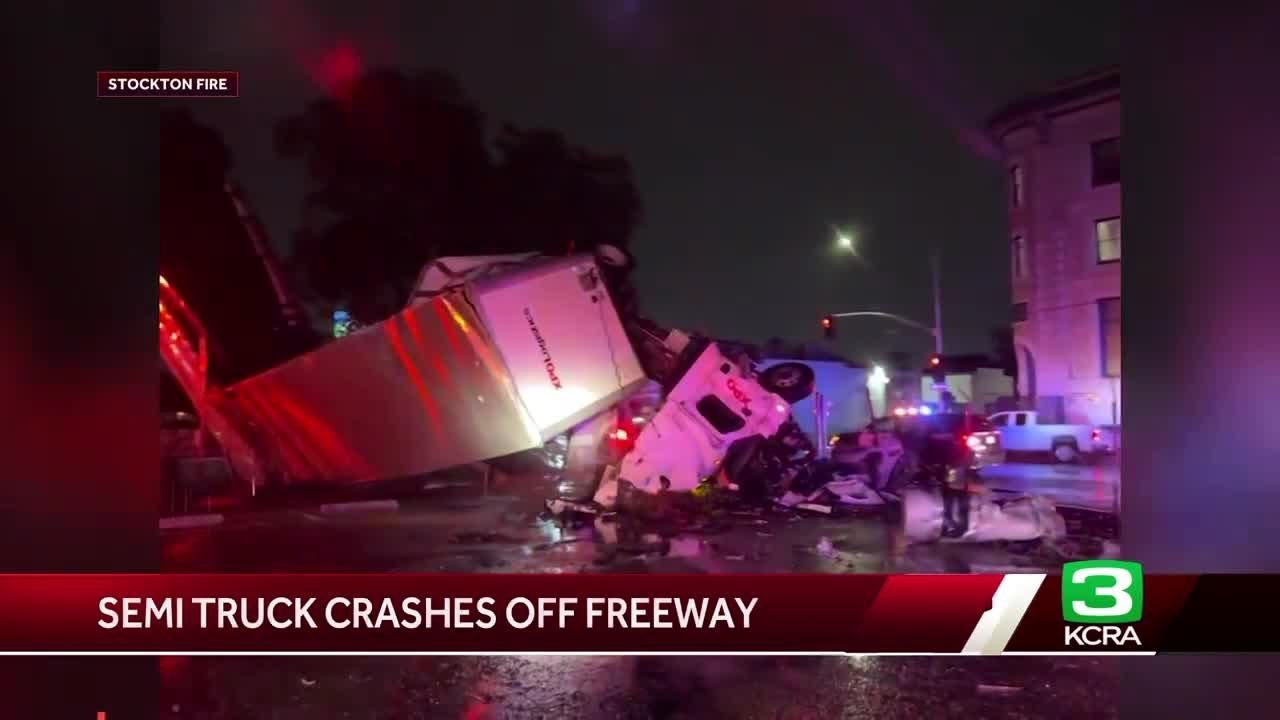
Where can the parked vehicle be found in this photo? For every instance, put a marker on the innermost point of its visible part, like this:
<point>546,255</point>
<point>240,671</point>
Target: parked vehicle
<point>892,451</point>
<point>1025,432</point>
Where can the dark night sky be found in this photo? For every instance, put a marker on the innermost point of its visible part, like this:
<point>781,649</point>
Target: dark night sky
<point>753,126</point>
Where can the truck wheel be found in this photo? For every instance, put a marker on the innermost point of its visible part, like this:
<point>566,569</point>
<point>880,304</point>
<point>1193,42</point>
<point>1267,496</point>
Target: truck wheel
<point>613,256</point>
<point>791,381</point>
<point>1066,452</point>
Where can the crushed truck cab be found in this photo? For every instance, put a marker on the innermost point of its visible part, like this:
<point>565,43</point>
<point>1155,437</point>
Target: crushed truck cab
<point>715,403</point>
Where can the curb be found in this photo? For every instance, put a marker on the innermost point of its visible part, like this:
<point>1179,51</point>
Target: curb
<point>180,522</point>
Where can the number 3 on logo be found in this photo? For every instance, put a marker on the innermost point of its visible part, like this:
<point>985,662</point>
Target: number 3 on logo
<point>1102,591</point>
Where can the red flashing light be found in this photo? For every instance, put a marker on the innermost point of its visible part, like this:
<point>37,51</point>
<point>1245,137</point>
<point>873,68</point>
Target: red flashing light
<point>163,281</point>
<point>935,361</point>
<point>826,322</point>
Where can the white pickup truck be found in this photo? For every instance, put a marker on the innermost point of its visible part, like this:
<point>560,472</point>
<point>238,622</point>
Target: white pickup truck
<point>1022,432</point>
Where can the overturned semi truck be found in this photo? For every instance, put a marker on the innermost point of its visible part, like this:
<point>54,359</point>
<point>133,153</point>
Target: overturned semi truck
<point>492,356</point>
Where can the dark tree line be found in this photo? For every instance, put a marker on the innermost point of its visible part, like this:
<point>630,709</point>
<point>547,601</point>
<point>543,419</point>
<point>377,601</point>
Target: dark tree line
<point>403,169</point>
<point>400,170</point>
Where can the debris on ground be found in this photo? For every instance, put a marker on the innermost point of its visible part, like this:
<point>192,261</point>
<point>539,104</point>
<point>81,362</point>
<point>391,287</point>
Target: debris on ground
<point>978,519</point>
<point>685,472</point>
<point>825,547</point>
<point>559,506</point>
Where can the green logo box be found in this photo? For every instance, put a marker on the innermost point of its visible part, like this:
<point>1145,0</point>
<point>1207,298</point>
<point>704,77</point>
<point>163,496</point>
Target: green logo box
<point>1102,592</point>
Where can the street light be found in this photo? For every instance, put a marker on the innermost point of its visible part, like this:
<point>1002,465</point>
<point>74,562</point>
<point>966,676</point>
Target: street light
<point>846,241</point>
<point>878,377</point>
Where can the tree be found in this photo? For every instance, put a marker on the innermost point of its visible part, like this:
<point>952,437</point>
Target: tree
<point>395,170</point>
<point>558,198</point>
<point>400,172</point>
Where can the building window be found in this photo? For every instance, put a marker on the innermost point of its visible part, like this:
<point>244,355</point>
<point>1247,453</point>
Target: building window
<point>1019,312</point>
<point>1105,155</point>
<point>1015,186</point>
<point>1106,233</point>
<point>1109,316</point>
<point>1018,253</point>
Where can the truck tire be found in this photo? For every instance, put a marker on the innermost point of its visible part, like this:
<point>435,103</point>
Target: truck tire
<point>614,256</point>
<point>1065,452</point>
<point>791,381</point>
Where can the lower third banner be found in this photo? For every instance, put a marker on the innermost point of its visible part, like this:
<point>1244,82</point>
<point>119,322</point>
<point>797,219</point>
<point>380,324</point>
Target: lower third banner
<point>1098,607</point>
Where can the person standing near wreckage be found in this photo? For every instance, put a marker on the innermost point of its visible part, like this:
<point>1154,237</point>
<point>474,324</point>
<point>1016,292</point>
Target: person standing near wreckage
<point>943,463</point>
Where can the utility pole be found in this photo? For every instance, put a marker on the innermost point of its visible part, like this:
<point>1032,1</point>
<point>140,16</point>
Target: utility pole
<point>937,302</point>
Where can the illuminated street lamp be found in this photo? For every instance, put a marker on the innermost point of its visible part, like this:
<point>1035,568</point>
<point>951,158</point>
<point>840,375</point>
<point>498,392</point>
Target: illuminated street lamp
<point>844,241</point>
<point>878,378</point>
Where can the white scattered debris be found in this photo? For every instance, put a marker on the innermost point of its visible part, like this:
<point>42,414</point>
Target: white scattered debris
<point>790,499</point>
<point>308,682</point>
<point>998,690</point>
<point>982,520</point>
<point>606,495</point>
<point>825,548</point>
<point>853,491</point>
<point>685,547</point>
<point>558,506</point>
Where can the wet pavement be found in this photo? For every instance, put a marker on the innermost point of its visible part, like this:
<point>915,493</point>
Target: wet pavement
<point>472,688</point>
<point>1094,486</point>
<point>469,528</point>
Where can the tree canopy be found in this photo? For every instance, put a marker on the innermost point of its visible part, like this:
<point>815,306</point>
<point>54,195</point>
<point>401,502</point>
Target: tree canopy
<point>403,169</point>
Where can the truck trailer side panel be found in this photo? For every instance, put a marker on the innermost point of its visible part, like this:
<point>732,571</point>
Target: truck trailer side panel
<point>456,379</point>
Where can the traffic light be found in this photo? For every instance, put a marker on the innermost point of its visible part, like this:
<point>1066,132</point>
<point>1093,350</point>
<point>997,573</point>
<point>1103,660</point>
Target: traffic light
<point>935,369</point>
<point>828,327</point>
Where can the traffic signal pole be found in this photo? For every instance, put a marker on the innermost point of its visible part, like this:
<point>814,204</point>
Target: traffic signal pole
<point>828,321</point>
<point>937,302</point>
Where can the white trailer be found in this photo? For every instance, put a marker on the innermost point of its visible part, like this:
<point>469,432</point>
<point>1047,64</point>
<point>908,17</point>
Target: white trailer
<point>493,356</point>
